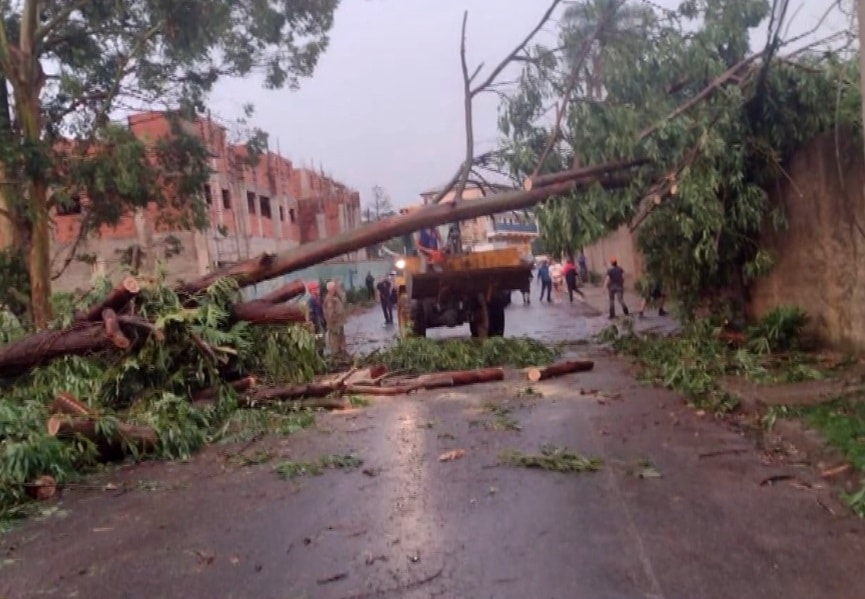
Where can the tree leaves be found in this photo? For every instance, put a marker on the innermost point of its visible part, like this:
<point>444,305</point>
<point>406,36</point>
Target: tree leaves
<point>724,151</point>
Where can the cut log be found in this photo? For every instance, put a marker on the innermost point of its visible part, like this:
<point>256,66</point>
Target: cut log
<point>463,377</point>
<point>261,312</point>
<point>112,329</point>
<point>80,339</point>
<point>209,395</point>
<point>290,392</point>
<point>66,403</point>
<point>562,368</point>
<point>286,292</point>
<point>575,174</point>
<point>143,438</point>
<point>383,389</point>
<point>116,300</point>
<point>308,254</point>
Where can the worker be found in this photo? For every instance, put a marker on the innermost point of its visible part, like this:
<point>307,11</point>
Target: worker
<point>370,286</point>
<point>384,297</point>
<point>545,280</point>
<point>429,247</point>
<point>316,312</point>
<point>655,296</point>
<point>615,284</point>
<point>334,314</point>
<point>570,274</point>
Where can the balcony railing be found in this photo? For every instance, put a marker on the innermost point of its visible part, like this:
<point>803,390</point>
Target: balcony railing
<point>527,228</point>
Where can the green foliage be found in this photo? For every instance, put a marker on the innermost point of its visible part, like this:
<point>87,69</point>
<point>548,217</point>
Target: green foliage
<point>93,59</point>
<point>152,385</point>
<point>841,422</point>
<point>503,418</point>
<point>726,151</point>
<point>779,330</point>
<point>694,361</point>
<point>551,458</point>
<point>291,469</point>
<point>422,355</point>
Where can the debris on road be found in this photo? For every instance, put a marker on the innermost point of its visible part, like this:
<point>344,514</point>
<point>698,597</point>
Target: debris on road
<point>422,355</point>
<point>291,469</point>
<point>536,374</point>
<point>450,456</point>
<point>551,458</point>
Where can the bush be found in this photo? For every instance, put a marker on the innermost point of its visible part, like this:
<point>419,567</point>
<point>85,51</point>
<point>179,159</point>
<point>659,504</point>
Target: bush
<point>778,331</point>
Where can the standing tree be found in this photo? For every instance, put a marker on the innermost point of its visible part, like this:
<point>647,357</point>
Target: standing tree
<point>380,206</point>
<point>69,65</point>
<point>679,89</point>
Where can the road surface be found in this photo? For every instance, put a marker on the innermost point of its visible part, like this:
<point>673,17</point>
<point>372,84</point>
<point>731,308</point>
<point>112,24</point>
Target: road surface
<point>404,524</point>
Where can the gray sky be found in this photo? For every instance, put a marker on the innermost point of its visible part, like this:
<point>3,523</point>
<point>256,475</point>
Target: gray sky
<point>385,104</point>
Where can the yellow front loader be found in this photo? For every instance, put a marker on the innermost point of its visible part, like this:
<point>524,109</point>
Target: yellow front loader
<point>471,288</point>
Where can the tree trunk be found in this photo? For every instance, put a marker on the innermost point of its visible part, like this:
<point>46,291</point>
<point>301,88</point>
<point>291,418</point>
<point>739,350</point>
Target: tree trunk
<point>286,292</point>
<point>39,263</point>
<point>262,312</point>
<point>42,347</point>
<point>116,300</point>
<point>7,224</point>
<point>268,266</point>
<point>562,368</point>
<point>143,438</point>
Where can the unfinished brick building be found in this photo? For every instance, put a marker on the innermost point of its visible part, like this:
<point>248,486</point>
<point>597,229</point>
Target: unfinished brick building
<point>269,207</point>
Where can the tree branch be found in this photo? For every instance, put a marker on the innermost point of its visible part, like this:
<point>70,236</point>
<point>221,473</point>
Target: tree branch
<point>510,57</point>
<point>469,117</point>
<point>572,84</point>
<point>59,18</point>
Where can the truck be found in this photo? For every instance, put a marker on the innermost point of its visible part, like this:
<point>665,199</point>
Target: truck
<point>468,287</point>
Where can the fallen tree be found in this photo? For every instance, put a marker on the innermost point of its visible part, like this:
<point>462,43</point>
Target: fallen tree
<point>269,266</point>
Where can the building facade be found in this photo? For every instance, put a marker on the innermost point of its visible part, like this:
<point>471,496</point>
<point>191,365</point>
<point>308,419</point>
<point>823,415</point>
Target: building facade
<point>268,206</point>
<point>509,229</point>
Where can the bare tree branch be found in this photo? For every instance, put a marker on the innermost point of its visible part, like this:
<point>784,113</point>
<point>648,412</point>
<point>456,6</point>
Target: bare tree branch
<point>469,92</point>
<point>571,85</point>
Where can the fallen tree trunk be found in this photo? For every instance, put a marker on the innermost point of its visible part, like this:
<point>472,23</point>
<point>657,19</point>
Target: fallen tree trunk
<point>462,377</point>
<point>116,300</point>
<point>286,292</point>
<point>404,389</point>
<point>142,438</point>
<point>209,395</point>
<point>540,181</point>
<point>112,329</point>
<point>262,312</point>
<point>562,368</point>
<point>290,392</point>
<point>268,266</point>
<point>66,403</point>
<point>80,339</point>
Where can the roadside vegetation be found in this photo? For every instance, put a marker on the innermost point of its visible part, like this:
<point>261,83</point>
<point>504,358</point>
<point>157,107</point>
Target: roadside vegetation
<point>153,386</point>
<point>419,355</point>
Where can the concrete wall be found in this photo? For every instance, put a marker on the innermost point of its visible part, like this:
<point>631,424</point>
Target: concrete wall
<point>620,244</point>
<point>820,258</point>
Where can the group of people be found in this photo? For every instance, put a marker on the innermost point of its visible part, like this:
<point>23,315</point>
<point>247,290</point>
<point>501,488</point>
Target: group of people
<point>328,315</point>
<point>387,294</point>
<point>553,278</point>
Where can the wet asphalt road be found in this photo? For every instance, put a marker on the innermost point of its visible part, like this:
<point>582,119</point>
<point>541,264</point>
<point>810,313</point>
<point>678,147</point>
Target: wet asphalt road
<point>405,524</point>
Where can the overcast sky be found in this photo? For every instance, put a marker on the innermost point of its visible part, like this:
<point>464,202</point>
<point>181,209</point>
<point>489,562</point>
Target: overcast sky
<point>385,104</point>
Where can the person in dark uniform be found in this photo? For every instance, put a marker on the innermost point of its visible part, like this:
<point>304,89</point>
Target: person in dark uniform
<point>385,288</point>
<point>370,285</point>
<point>615,284</point>
<point>656,296</point>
